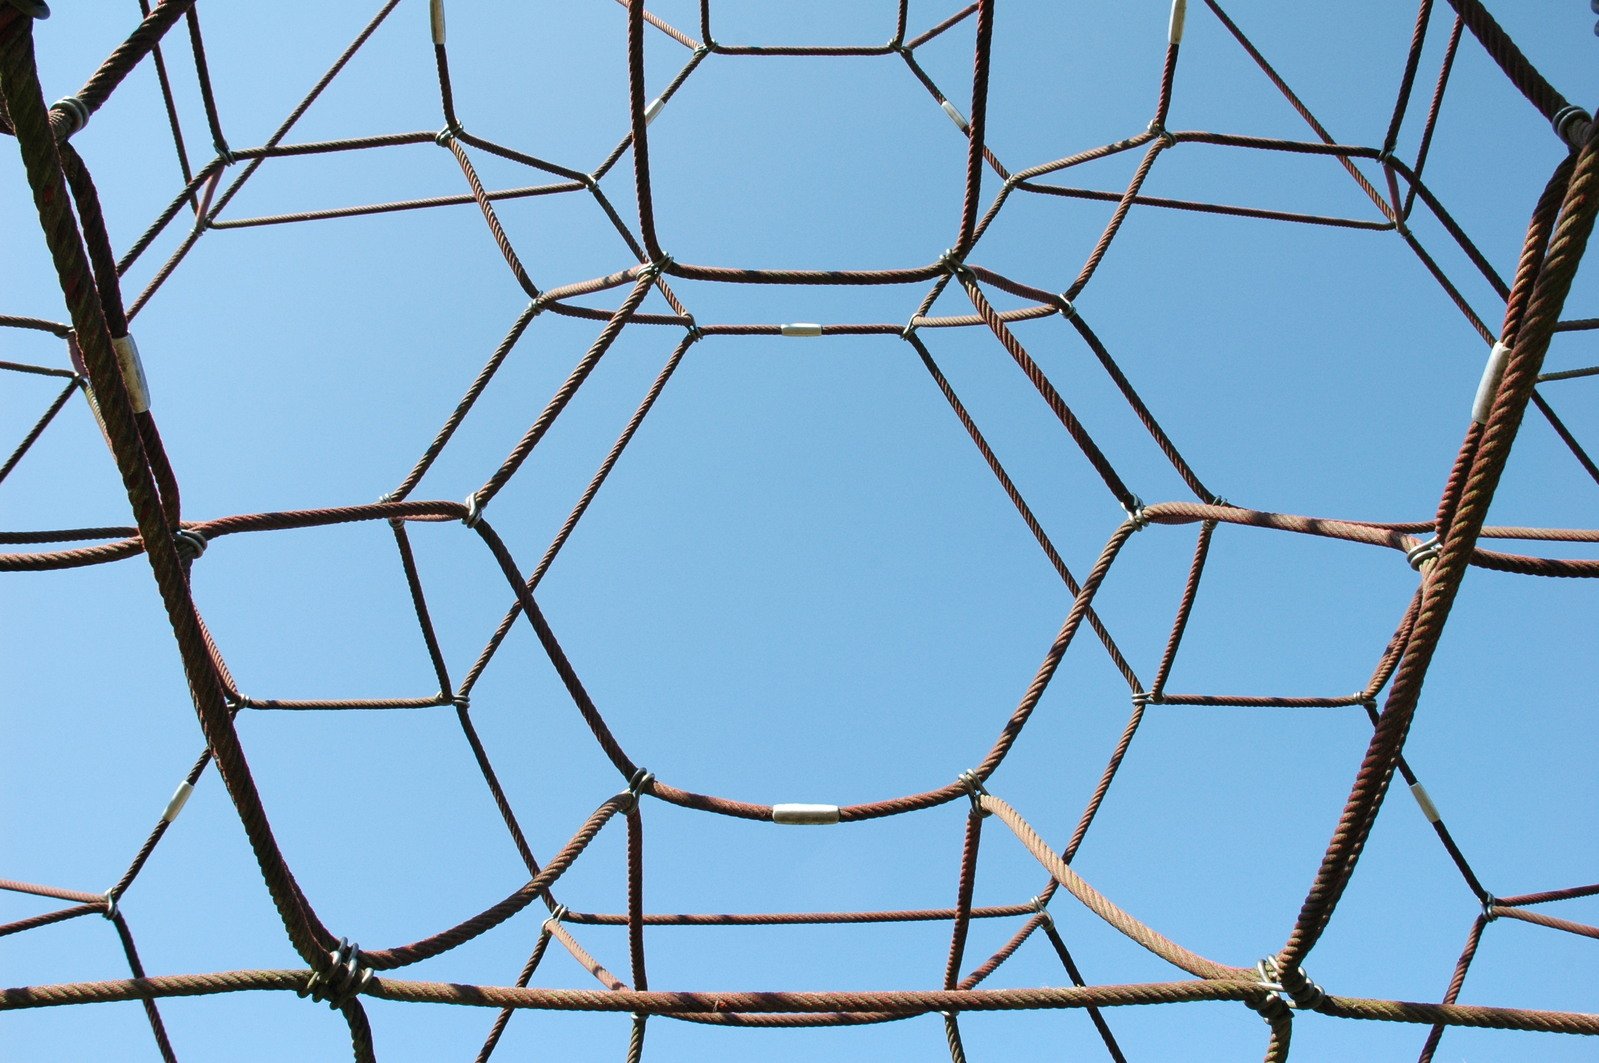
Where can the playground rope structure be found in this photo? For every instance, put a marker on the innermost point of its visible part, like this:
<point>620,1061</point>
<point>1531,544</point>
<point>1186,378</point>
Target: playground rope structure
<point>1441,550</point>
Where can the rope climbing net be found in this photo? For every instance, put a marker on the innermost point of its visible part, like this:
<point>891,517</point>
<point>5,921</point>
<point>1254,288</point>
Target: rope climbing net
<point>651,294</point>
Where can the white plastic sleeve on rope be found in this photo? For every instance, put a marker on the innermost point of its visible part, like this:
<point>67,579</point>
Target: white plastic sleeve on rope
<point>1179,15</point>
<point>804,814</point>
<point>653,109</point>
<point>955,116</point>
<point>180,797</point>
<point>802,328</point>
<point>1488,387</point>
<point>1428,809</point>
<point>436,16</point>
<point>132,372</point>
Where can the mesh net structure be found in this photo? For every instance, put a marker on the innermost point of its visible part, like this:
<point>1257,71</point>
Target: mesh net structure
<point>887,555</point>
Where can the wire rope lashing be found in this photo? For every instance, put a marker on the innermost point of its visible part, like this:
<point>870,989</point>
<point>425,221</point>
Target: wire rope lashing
<point>1424,552</point>
<point>1303,994</point>
<point>1040,909</point>
<point>343,977</point>
<point>1134,508</point>
<point>1270,1003</point>
<point>77,113</point>
<point>1570,122</point>
<point>973,784</point>
<point>190,543</point>
<point>638,784</point>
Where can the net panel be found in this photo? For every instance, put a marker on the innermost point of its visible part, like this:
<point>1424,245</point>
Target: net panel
<point>955,317</point>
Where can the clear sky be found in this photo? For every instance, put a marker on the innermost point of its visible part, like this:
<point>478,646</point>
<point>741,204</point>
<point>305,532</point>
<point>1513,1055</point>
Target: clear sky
<point>801,583</point>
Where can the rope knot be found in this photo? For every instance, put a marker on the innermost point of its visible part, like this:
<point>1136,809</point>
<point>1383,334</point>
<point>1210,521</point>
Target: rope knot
<point>1134,507</point>
<point>1162,134</point>
<point>343,977</point>
<point>110,904</point>
<point>474,511</point>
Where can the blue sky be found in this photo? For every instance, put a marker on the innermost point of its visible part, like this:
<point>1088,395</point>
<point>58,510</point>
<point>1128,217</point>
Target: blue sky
<point>801,582</point>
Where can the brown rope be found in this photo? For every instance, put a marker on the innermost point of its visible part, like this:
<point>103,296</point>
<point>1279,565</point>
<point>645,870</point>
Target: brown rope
<point>76,232</point>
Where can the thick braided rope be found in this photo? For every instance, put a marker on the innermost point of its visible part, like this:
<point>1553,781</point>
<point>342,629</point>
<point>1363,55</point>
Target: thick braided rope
<point>19,82</point>
<point>1442,580</point>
